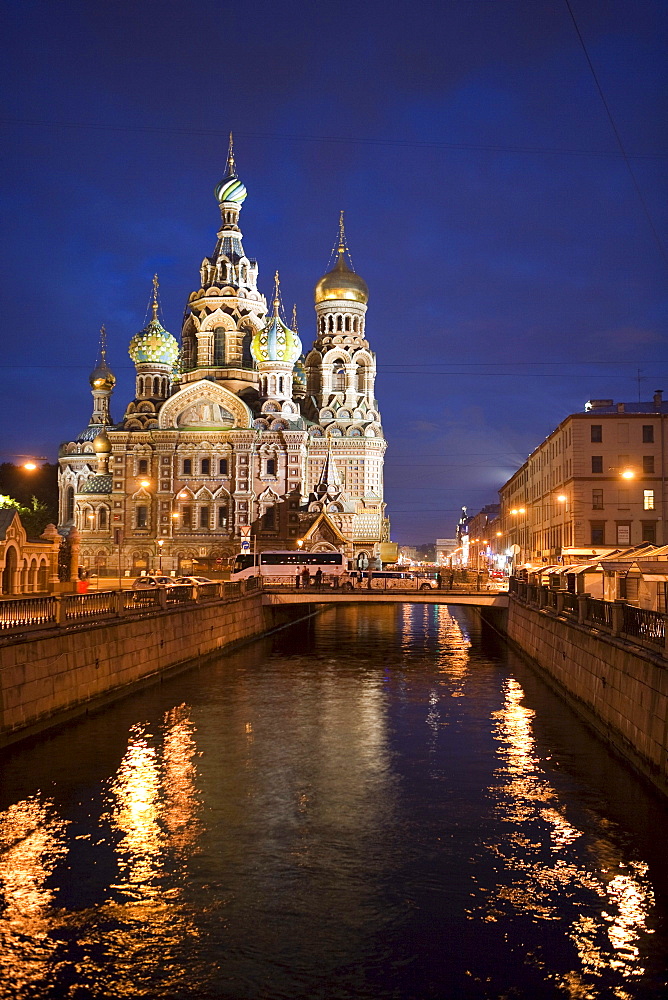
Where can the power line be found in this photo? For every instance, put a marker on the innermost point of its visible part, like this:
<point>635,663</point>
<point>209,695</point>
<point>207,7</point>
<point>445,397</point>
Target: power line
<point>618,138</point>
<point>335,139</point>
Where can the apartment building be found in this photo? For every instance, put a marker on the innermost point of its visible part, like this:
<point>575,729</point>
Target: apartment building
<point>597,483</point>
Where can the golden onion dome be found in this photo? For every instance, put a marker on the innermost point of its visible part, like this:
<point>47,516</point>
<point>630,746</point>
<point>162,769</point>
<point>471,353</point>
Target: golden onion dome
<point>101,443</point>
<point>341,283</point>
<point>102,377</point>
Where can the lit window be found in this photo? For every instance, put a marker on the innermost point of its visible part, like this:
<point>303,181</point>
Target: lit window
<point>648,499</point>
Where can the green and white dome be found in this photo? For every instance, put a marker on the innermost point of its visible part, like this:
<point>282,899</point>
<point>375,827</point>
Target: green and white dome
<point>276,342</point>
<point>154,345</point>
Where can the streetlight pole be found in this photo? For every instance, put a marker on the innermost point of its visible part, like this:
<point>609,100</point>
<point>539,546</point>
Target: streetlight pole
<point>161,542</point>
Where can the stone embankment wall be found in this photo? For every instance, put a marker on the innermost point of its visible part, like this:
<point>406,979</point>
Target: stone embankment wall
<point>620,689</point>
<point>48,678</point>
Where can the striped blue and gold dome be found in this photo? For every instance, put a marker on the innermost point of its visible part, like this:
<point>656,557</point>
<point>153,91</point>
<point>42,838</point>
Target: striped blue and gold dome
<point>276,342</point>
<point>153,345</point>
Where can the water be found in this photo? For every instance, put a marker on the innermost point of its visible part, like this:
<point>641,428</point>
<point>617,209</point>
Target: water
<point>384,803</point>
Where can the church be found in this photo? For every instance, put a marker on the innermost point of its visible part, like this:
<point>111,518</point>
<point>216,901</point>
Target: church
<point>236,437</point>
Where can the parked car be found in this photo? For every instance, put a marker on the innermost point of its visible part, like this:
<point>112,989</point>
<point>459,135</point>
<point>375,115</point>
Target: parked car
<point>154,581</point>
<point>198,581</point>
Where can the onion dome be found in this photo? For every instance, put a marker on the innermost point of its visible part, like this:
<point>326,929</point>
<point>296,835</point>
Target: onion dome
<point>299,375</point>
<point>102,376</point>
<point>230,189</point>
<point>341,282</point>
<point>101,443</point>
<point>153,344</point>
<point>276,341</point>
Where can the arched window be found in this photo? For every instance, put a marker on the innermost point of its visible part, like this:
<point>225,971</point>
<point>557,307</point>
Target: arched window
<point>347,324</point>
<point>206,466</point>
<point>102,518</point>
<point>339,379</point>
<point>355,324</point>
<point>142,467</point>
<point>219,346</point>
<point>361,378</point>
<point>223,515</point>
<point>331,323</point>
<point>69,504</point>
<point>187,467</point>
<point>270,518</point>
<point>246,356</point>
<point>204,517</point>
<point>271,467</point>
<point>189,351</point>
<point>156,386</point>
<point>142,516</point>
<point>222,467</point>
<point>339,323</point>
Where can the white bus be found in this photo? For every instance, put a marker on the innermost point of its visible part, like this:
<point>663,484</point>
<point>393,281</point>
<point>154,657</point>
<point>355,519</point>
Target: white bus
<point>287,564</point>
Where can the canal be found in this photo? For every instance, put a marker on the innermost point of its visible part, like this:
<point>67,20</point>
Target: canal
<point>382,802</point>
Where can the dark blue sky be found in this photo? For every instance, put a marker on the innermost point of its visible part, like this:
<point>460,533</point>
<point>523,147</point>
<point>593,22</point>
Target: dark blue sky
<point>516,259</point>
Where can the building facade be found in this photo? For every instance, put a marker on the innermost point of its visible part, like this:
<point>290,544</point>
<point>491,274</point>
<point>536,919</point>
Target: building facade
<point>597,482</point>
<point>233,438</point>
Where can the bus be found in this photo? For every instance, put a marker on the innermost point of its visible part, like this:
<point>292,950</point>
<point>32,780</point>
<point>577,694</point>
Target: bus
<point>272,565</point>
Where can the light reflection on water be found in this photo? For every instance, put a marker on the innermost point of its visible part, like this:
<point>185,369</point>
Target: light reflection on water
<point>541,878</point>
<point>368,810</point>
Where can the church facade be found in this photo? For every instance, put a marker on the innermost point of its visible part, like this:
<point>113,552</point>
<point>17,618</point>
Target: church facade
<point>234,437</point>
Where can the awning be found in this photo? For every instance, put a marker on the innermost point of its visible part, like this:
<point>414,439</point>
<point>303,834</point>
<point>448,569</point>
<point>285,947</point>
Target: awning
<point>577,569</point>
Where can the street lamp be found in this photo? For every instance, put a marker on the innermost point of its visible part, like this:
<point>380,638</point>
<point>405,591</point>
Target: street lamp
<point>161,542</point>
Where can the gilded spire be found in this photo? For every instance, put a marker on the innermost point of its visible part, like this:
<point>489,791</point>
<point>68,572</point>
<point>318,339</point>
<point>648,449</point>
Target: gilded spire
<point>342,234</point>
<point>293,325</point>
<point>103,343</point>
<point>231,166</point>
<point>277,293</point>
<point>154,304</point>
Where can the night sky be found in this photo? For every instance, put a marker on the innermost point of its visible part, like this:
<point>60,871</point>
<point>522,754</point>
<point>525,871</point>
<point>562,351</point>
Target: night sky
<point>501,163</point>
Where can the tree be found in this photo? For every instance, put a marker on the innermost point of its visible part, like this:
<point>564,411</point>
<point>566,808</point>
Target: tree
<point>34,517</point>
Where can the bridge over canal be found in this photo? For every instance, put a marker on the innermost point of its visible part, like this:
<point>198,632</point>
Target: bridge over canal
<point>281,595</point>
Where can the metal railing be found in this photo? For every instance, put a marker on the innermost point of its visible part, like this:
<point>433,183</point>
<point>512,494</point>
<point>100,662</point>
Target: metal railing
<point>23,614</point>
<point>641,626</point>
<point>599,612</point>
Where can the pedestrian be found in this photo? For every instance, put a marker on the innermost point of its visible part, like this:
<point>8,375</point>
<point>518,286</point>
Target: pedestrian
<point>306,577</point>
<point>439,581</point>
<point>451,582</point>
<point>297,581</point>
<point>318,578</point>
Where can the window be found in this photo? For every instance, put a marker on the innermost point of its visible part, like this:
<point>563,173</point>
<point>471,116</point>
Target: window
<point>222,467</point>
<point>649,532</point>
<point>597,532</point>
<point>102,517</point>
<point>206,466</point>
<point>187,467</point>
<point>597,499</point>
<point>219,346</point>
<point>597,432</point>
<point>648,463</point>
<point>204,517</point>
<point>647,433</point>
<point>597,463</point>
<point>186,517</point>
<point>142,467</point>
<point>223,513</point>
<point>270,518</point>
<point>142,516</point>
<point>246,354</point>
<point>69,504</point>
<point>648,499</point>
<point>271,467</point>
